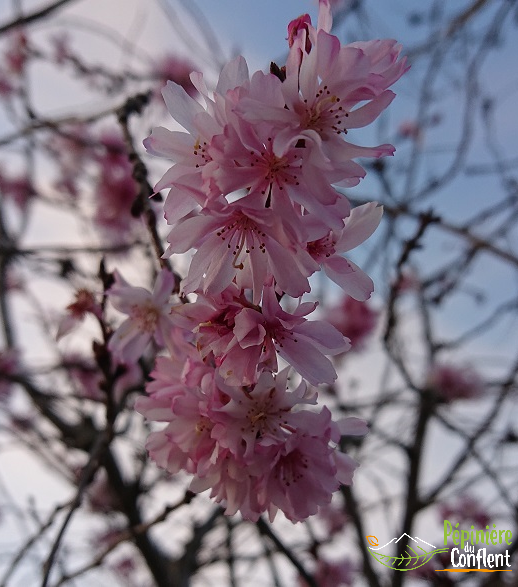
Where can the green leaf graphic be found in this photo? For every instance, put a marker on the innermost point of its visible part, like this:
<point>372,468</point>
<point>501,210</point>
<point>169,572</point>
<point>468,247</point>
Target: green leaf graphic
<point>407,561</point>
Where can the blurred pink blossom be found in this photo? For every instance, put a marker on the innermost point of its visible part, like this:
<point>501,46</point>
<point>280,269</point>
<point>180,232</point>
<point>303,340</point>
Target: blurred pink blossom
<point>334,517</point>
<point>9,364</point>
<point>101,496</point>
<point>71,150</point>
<point>125,567</point>
<point>452,382</point>
<point>17,51</point>
<point>173,68</point>
<point>60,44</point>
<point>465,509</point>
<point>333,574</point>
<point>409,129</point>
<point>7,88</point>
<point>116,189</point>
<point>18,188</point>
<point>407,281</point>
<point>354,319</point>
<point>84,304</point>
<point>107,538</point>
<point>87,378</point>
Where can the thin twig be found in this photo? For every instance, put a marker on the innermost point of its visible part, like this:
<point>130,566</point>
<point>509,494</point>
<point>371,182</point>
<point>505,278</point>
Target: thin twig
<point>34,16</point>
<point>84,481</point>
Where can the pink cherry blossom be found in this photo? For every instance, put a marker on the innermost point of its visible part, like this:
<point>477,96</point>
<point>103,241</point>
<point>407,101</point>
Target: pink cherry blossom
<point>190,176</point>
<point>408,281</point>
<point>244,339</point>
<point>148,316</point>
<point>234,485</point>
<point>17,51</point>
<point>255,447</point>
<point>238,242</point>
<point>125,567</point>
<point>7,87</point>
<point>87,378</point>
<point>72,152</point>
<point>327,250</point>
<point>275,170</point>
<point>409,129</point>
<point>263,413</point>
<point>186,404</point>
<point>302,343</point>
<point>304,472</point>
<point>321,90</point>
<point>212,320</point>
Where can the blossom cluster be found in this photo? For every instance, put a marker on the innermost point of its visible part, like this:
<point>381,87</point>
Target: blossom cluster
<point>253,189</point>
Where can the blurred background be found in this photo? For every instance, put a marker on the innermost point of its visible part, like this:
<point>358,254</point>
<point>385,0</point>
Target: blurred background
<point>434,352</point>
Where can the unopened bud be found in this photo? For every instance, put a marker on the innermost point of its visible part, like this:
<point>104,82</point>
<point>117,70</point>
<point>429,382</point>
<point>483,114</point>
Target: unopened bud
<point>303,22</point>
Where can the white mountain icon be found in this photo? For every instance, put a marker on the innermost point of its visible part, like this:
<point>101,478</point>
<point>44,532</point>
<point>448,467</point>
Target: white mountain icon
<point>417,553</point>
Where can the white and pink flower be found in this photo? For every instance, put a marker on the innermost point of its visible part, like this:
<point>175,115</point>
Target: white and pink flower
<point>148,316</point>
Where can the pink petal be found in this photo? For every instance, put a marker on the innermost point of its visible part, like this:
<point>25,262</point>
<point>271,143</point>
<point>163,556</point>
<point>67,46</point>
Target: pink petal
<point>286,271</point>
<point>367,114</point>
<point>349,277</point>
<point>258,266</point>
<point>212,253</point>
<point>324,336</point>
<point>165,143</point>
<point>267,88</point>
<point>177,205</point>
<point>234,74</point>
<point>359,226</point>
<point>307,360</point>
<point>66,324</point>
<point>346,466</point>
<point>325,16</point>
<point>248,328</point>
<point>308,75</point>
<point>163,287</point>
<point>181,106</point>
<point>188,233</point>
<point>328,47</point>
<point>220,272</point>
<point>352,427</point>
